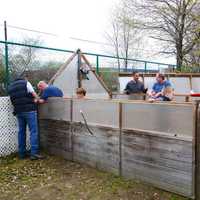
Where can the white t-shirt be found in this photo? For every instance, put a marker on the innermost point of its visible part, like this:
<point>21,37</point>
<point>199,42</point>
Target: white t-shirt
<point>29,87</point>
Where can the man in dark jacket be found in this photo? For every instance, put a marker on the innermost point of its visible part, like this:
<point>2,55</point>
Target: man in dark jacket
<point>23,98</point>
<point>135,85</point>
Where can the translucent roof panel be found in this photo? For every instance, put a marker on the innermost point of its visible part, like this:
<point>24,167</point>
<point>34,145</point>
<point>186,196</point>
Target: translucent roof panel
<point>181,85</point>
<point>123,81</point>
<point>93,87</point>
<point>67,80</point>
<point>149,81</point>
<point>196,84</point>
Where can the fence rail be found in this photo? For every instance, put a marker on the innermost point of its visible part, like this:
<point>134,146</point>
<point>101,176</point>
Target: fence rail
<point>13,57</point>
<point>159,150</point>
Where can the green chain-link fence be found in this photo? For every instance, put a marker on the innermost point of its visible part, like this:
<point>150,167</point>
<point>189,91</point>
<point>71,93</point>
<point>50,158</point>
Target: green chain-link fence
<point>41,63</point>
<point>2,71</point>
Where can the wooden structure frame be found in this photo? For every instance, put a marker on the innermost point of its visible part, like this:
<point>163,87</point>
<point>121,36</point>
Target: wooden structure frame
<point>130,147</point>
<point>81,57</point>
<point>167,75</point>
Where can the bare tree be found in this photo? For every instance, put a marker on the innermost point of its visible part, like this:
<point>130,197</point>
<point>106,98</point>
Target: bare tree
<point>113,38</point>
<point>193,58</point>
<point>22,59</point>
<point>123,35</point>
<point>171,22</point>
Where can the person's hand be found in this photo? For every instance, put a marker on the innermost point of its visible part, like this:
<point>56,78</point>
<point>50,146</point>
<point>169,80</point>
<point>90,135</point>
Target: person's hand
<point>41,101</point>
<point>126,92</point>
<point>35,100</point>
<point>151,93</point>
<point>158,94</point>
<point>151,100</point>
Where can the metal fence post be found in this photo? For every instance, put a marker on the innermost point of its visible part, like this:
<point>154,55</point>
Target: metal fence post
<point>97,64</point>
<point>145,66</point>
<point>6,58</point>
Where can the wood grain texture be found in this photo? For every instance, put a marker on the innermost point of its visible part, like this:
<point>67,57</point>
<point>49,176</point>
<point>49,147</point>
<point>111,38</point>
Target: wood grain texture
<point>162,159</point>
<point>197,150</point>
<point>56,137</point>
<point>100,150</point>
<point>165,163</point>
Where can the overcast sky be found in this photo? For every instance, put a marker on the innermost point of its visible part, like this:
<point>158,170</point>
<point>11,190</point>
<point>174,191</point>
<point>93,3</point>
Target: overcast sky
<point>84,19</point>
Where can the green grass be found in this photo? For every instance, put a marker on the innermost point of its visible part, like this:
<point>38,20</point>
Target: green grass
<point>55,178</point>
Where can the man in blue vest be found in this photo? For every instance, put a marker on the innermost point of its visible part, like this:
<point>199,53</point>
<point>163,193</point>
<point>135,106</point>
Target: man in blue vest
<point>24,98</point>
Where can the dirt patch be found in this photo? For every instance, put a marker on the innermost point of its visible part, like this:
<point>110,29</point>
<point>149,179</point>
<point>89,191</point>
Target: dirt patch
<point>57,179</point>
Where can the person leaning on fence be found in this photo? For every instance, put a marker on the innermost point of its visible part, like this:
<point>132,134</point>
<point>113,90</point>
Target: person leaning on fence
<point>135,86</point>
<point>158,87</point>
<point>167,94</point>
<point>23,98</point>
<point>161,90</point>
<point>48,91</point>
<point>80,93</point>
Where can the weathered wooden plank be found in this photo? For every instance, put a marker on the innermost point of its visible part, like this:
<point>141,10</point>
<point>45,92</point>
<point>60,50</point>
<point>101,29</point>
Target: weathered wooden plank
<point>106,155</point>
<point>106,159</point>
<point>100,149</point>
<point>174,149</point>
<point>197,152</point>
<point>160,181</point>
<point>159,173</point>
<point>56,134</point>
<point>59,152</point>
<point>165,163</point>
<point>107,148</point>
<point>155,159</point>
<point>96,161</point>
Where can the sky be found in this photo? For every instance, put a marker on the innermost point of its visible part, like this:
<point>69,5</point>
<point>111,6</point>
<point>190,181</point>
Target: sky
<point>66,19</point>
<point>85,19</point>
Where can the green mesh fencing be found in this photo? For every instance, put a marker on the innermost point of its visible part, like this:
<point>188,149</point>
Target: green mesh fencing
<point>41,63</point>
<point>37,63</point>
<point>2,71</point>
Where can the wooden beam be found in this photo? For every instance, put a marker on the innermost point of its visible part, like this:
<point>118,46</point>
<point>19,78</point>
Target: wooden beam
<point>97,76</point>
<point>127,74</point>
<point>196,149</point>
<point>190,82</point>
<point>120,138</point>
<point>62,68</point>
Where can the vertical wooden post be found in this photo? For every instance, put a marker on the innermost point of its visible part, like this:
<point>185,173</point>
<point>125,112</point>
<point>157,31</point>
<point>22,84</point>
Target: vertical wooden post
<point>187,98</point>
<point>71,130</point>
<point>190,77</point>
<point>78,69</point>
<point>197,152</point>
<point>120,138</point>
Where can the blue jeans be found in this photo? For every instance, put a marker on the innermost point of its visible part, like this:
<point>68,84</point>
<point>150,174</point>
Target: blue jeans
<point>30,119</point>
